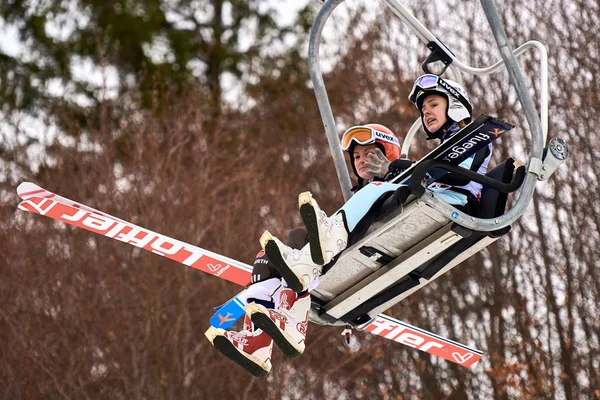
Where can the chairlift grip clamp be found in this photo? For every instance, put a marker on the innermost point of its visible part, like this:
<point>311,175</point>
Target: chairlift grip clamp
<point>535,166</point>
<point>554,155</point>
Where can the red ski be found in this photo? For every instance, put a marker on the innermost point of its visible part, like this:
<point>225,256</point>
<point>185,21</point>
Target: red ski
<point>41,201</point>
<point>420,339</point>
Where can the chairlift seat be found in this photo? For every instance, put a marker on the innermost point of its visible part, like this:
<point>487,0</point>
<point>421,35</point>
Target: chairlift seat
<point>407,249</point>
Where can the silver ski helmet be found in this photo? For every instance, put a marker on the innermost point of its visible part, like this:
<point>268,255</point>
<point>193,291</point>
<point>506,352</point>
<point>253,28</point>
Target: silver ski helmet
<point>459,106</point>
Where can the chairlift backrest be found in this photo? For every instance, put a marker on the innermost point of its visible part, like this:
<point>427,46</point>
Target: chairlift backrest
<point>493,202</point>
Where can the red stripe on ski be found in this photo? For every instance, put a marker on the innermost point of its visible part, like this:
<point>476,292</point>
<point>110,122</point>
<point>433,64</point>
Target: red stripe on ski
<point>32,193</point>
<point>420,339</point>
<point>165,246</point>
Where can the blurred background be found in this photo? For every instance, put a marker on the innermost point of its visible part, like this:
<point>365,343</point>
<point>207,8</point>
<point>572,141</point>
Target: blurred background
<point>197,119</point>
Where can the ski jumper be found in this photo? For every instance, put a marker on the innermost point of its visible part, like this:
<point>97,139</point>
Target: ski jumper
<point>453,190</point>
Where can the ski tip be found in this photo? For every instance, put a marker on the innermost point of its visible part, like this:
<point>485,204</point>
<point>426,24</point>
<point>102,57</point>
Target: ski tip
<point>28,189</point>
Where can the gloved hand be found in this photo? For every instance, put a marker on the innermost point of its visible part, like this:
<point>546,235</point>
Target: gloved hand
<point>378,165</point>
<point>397,167</point>
<point>400,165</point>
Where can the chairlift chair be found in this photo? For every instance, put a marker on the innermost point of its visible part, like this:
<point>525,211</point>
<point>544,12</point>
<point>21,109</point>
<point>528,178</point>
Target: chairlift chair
<point>410,246</point>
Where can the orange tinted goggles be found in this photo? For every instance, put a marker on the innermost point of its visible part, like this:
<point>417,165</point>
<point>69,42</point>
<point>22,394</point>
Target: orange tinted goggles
<point>364,135</point>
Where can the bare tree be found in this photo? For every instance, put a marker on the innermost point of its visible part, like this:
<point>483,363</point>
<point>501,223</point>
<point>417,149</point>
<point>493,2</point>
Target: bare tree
<point>87,317</point>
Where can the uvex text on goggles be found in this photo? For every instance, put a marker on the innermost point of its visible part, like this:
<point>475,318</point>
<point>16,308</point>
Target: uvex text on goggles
<point>365,135</point>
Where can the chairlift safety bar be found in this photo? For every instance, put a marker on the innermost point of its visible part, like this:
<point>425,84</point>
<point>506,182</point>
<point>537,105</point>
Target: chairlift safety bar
<point>539,129</point>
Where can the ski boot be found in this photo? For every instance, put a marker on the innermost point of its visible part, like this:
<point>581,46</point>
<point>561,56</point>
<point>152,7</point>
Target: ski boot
<point>295,266</point>
<point>287,323</point>
<point>328,236</point>
<point>250,348</point>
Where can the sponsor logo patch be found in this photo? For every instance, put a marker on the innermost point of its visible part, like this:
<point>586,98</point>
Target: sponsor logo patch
<point>387,138</point>
<point>286,299</point>
<point>226,318</point>
<point>496,132</point>
<point>460,149</point>
<point>462,358</point>
<point>238,338</point>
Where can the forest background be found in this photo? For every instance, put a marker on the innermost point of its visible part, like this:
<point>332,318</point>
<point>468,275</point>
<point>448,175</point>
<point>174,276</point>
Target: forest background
<point>197,119</point>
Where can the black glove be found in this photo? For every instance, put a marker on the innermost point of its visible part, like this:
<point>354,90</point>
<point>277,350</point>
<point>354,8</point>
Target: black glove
<point>401,164</point>
<point>397,167</point>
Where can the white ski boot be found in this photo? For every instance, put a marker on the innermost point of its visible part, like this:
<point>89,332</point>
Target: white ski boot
<point>328,236</point>
<point>286,324</point>
<point>295,266</point>
<point>250,348</point>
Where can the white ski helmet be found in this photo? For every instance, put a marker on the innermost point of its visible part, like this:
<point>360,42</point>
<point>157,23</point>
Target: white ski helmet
<point>459,105</point>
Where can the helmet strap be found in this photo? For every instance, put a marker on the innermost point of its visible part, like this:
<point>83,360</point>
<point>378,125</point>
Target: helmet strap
<point>439,134</point>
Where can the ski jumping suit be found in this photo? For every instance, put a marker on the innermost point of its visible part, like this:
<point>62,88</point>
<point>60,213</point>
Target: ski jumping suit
<point>264,272</point>
<point>361,210</point>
